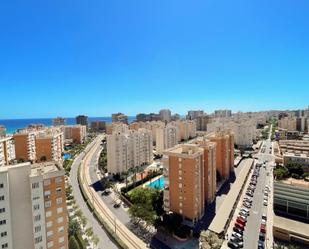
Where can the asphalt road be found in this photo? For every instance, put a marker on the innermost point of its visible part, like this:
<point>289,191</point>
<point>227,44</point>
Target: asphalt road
<point>251,234</point>
<point>109,200</point>
<point>105,242</point>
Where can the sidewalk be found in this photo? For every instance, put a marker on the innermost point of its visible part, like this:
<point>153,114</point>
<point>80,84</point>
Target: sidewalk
<point>121,230</point>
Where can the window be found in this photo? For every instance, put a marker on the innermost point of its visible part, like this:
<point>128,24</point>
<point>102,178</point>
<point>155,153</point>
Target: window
<point>1,185</point>
<point>58,180</point>
<point>37,217</point>
<point>48,214</point>
<point>38,240</point>
<point>2,198</point>
<point>60,229</point>
<point>47,204</point>
<point>37,229</point>
<point>47,182</point>
<point>2,210</point>
<point>35,185</point>
<point>2,222</point>
<point>4,234</point>
<point>49,224</point>
<point>49,233</point>
<point>60,220</point>
<point>58,191</point>
<point>47,193</point>
<point>61,239</point>
<point>59,200</point>
<point>59,210</point>
<point>5,245</point>
<point>50,244</point>
<point>36,207</point>
<point>36,198</point>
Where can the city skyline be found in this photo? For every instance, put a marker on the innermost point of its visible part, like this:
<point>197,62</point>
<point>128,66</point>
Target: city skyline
<point>100,58</point>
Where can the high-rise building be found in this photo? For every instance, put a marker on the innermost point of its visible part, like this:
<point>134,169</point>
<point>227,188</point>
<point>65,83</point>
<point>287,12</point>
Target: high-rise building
<point>202,122</point>
<point>165,115</point>
<point>194,114</point>
<point>98,126</point>
<point>33,207</point>
<point>166,137</point>
<point>142,117</point>
<point>186,128</point>
<point>184,181</point>
<point>82,120</point>
<point>116,128</point>
<point>2,131</point>
<point>7,150</point>
<point>289,123</point>
<point>119,117</point>
<point>59,121</point>
<point>126,150</point>
<point>223,113</point>
<point>224,153</point>
<point>25,149</point>
<point>75,133</point>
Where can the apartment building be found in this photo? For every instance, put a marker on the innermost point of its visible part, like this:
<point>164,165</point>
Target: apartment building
<point>194,114</point>
<point>130,149</point>
<point>186,128</point>
<point>119,117</point>
<point>224,153</point>
<point>25,149</point>
<point>222,113</point>
<point>184,181</point>
<point>166,137</point>
<point>49,145</point>
<point>33,208</point>
<point>59,121</point>
<point>288,123</point>
<point>2,131</point>
<point>75,133</point>
<point>165,115</point>
<point>7,150</point>
<point>142,117</point>
<point>116,128</point>
<point>302,159</point>
<point>202,122</point>
<point>98,126</point>
<point>152,126</point>
<point>82,120</point>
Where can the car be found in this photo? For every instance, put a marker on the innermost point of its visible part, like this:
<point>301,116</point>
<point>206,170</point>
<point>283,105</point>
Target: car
<point>243,214</point>
<point>262,236</point>
<point>240,226</point>
<point>246,205</point>
<point>263,222</point>
<point>261,244</point>
<point>246,210</point>
<point>232,245</point>
<point>117,205</point>
<point>263,228</point>
<point>243,217</point>
<point>237,230</point>
<point>264,217</point>
<point>106,192</point>
<point>241,220</point>
<point>237,235</point>
<point>265,203</point>
<point>237,241</point>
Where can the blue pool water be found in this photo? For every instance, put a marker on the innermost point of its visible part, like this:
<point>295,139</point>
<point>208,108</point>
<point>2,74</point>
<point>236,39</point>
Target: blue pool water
<point>66,156</point>
<point>159,183</point>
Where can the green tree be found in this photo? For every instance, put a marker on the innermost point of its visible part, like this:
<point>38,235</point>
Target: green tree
<point>281,173</point>
<point>73,243</point>
<point>74,227</point>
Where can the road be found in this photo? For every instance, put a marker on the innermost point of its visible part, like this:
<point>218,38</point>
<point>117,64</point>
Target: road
<point>105,241</point>
<point>251,234</point>
<point>109,201</point>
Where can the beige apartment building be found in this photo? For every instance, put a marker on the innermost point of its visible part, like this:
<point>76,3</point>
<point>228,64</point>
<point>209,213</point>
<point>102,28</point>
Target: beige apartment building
<point>59,121</point>
<point>33,207</point>
<point>184,181</point>
<point>288,123</point>
<point>75,133</point>
<point>166,137</point>
<point>165,115</point>
<point>186,128</point>
<point>25,148</point>
<point>130,149</point>
<point>224,152</point>
<point>116,127</point>
<point>7,150</point>
<point>119,117</point>
<point>150,125</point>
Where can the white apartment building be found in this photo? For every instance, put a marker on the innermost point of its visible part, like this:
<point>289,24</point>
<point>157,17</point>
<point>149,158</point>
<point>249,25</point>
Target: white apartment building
<point>152,126</point>
<point>165,115</point>
<point>128,150</point>
<point>23,210</point>
<point>186,128</point>
<point>166,137</point>
<point>7,150</point>
<point>244,130</point>
<point>194,114</point>
<point>222,113</point>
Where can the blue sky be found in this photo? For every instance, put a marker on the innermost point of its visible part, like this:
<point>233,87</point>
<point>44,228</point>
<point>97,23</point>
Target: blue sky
<point>98,57</point>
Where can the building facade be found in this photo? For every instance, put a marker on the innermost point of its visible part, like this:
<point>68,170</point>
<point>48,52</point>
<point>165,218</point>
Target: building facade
<point>82,120</point>
<point>75,133</point>
<point>165,115</point>
<point>7,150</point>
<point>119,117</point>
<point>166,137</point>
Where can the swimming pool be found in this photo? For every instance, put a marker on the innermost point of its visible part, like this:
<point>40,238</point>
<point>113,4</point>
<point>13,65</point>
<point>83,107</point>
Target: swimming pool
<point>66,156</point>
<point>158,183</point>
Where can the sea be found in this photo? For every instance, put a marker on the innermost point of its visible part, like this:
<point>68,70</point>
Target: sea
<point>12,125</point>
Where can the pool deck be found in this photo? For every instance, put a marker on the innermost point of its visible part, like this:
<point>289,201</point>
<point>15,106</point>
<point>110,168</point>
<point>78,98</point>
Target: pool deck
<point>151,180</point>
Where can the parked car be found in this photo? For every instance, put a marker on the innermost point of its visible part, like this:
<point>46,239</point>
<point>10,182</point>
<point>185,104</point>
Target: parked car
<point>261,244</point>
<point>240,226</point>
<point>241,220</point>
<point>262,236</point>
<point>237,235</point>
<point>263,228</point>
<point>232,245</point>
<point>237,230</point>
<point>237,241</point>
<point>117,205</point>
<point>265,203</point>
